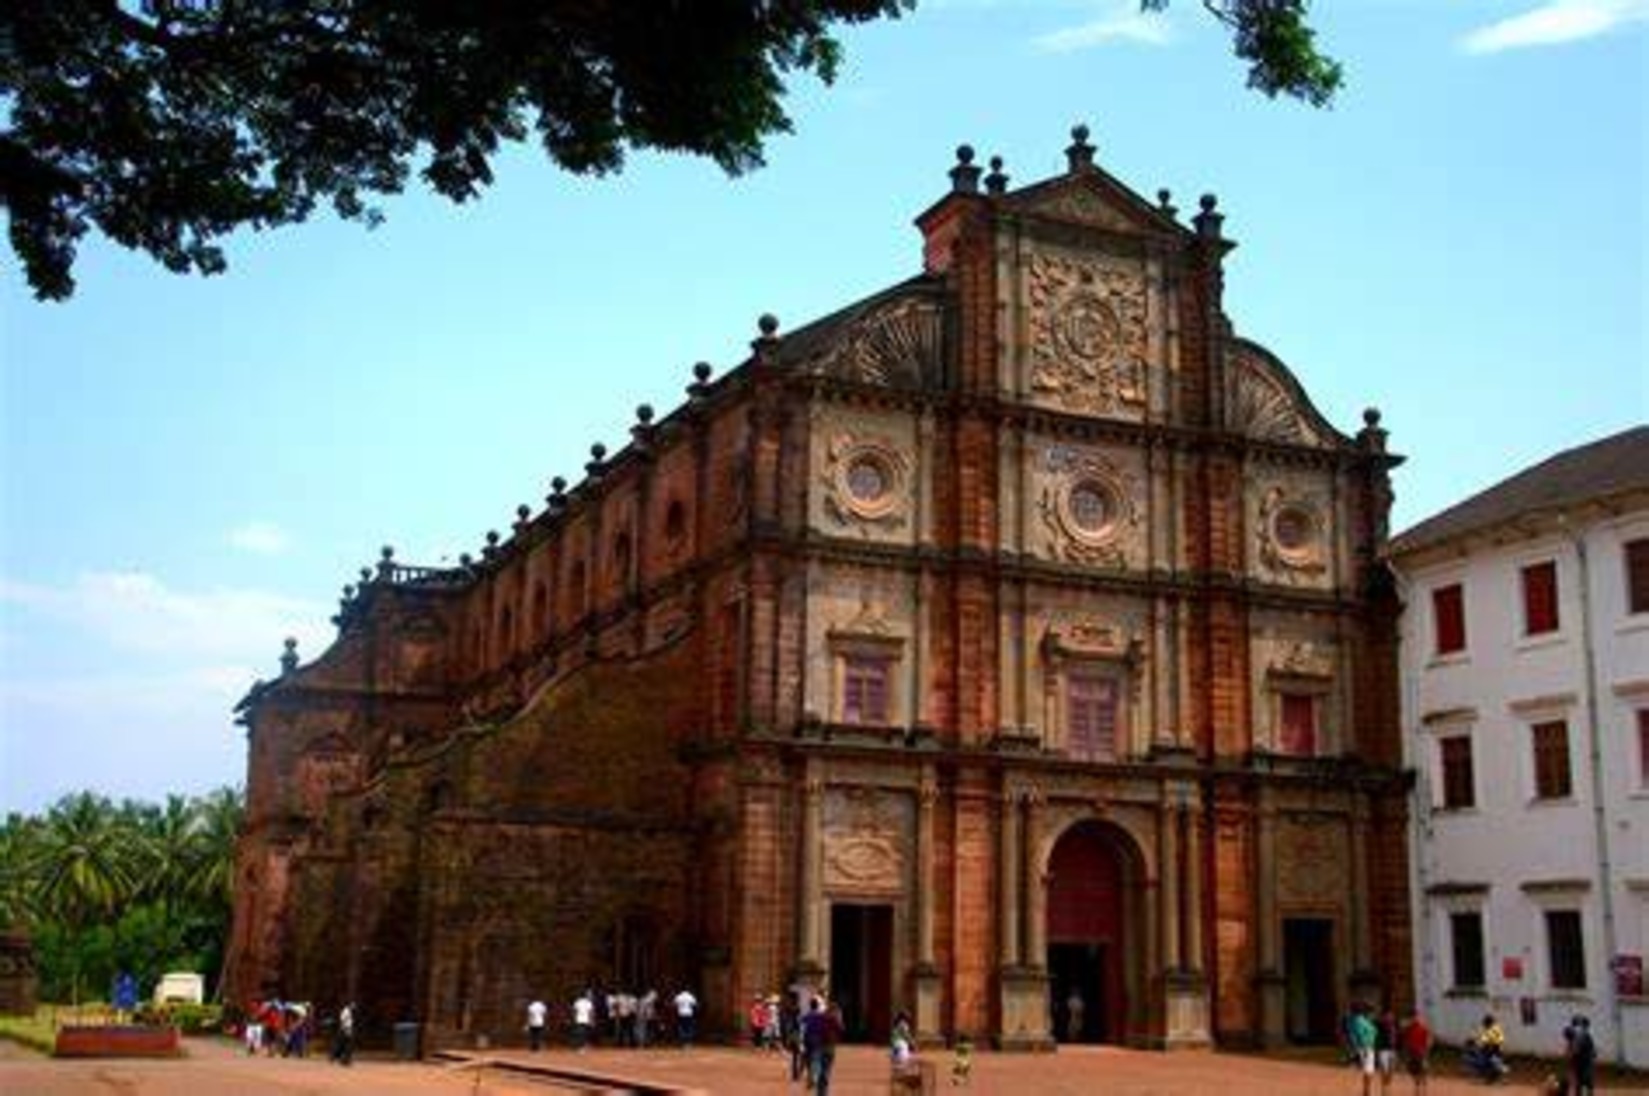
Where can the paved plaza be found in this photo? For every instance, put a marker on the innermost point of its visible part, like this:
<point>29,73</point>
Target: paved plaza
<point>214,1068</point>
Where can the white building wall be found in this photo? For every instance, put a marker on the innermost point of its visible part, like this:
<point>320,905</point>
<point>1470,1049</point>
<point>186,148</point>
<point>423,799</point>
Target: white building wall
<point>1512,856</point>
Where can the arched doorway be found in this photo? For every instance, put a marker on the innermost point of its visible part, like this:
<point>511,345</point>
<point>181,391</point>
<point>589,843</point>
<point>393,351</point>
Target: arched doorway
<point>1094,889</point>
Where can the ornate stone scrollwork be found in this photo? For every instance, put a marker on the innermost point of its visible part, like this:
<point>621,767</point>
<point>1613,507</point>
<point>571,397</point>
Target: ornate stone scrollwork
<point>1293,535</point>
<point>1084,206</point>
<point>1305,659</point>
<point>1261,407</point>
<point>897,344</point>
<point>866,481</point>
<point>1088,507</point>
<point>1088,336</point>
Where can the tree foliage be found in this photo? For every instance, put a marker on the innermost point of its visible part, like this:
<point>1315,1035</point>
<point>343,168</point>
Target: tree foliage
<point>168,124</point>
<point>104,888</point>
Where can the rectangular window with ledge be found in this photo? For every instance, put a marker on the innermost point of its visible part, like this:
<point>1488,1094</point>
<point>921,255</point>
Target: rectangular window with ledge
<point>1091,709</point>
<point>1466,949</point>
<point>1637,575</point>
<point>1448,615</point>
<point>1552,778</point>
<point>1297,724</point>
<point>1540,598</point>
<point>1459,780</point>
<point>1565,949</point>
<point>865,680</point>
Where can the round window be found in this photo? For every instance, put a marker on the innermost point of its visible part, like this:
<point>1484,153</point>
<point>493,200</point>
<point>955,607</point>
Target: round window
<point>867,480</point>
<point>1295,529</point>
<point>1091,507</point>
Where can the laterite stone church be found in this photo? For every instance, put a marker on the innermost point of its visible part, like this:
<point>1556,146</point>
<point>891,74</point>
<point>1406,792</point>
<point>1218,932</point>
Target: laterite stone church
<point>1014,636</point>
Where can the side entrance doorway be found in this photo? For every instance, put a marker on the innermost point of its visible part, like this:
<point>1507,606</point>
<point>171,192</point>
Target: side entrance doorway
<point>861,969</point>
<point>1311,1011</point>
<point>1092,872</point>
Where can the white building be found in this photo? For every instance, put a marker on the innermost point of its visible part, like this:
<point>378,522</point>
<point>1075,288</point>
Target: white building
<point>1526,713</point>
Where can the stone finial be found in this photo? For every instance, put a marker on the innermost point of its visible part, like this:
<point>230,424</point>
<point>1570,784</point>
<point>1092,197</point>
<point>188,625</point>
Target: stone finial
<point>964,177</point>
<point>598,454</point>
<point>641,432</point>
<point>522,513</point>
<point>1208,221</point>
<point>557,498</point>
<point>490,549</point>
<point>465,560</point>
<point>701,381</point>
<point>349,592</point>
<point>1165,204</point>
<point>386,562</point>
<point>366,575</point>
<point>1372,436</point>
<point>289,657</point>
<point>1079,155</point>
<point>767,339</point>
<point>997,181</point>
<point>644,414</point>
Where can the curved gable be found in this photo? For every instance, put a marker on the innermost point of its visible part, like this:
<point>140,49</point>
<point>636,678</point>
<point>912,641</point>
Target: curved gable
<point>1264,401</point>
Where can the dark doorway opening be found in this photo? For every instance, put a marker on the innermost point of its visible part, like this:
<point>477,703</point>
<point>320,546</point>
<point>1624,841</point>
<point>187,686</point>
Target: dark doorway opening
<point>861,969</point>
<point>1308,971</point>
<point>1077,979</point>
<point>1089,875</point>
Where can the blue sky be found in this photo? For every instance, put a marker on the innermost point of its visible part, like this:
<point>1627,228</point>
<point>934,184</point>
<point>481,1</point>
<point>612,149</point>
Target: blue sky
<point>190,469</point>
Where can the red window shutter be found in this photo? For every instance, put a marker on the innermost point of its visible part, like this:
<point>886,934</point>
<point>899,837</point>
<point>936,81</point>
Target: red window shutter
<point>1551,760</point>
<point>1448,610</point>
<point>1643,746</point>
<point>1540,598</point>
<point>864,690</point>
<point>1637,576</point>
<point>1299,724</point>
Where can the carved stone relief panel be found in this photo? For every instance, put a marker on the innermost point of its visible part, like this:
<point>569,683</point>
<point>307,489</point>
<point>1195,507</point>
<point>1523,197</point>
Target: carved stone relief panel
<point>1090,503</point>
<point>852,610</point>
<point>1088,334</point>
<point>1083,205</point>
<point>1106,643</point>
<point>1261,406</point>
<point>898,344</point>
<point>864,481</point>
<point>1292,528</point>
<point>1312,859</point>
<point>868,836</point>
<point>1296,655</point>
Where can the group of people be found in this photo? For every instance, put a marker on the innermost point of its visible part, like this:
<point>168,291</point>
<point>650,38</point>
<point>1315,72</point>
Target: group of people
<point>625,1019</point>
<point>285,1028</point>
<point>1375,1043</point>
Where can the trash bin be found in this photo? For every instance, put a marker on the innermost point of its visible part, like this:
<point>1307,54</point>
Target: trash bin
<point>406,1042</point>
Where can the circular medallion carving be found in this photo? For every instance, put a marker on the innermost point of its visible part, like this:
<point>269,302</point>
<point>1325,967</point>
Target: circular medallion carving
<point>1090,508</point>
<point>1296,534</point>
<point>1087,327</point>
<point>867,482</point>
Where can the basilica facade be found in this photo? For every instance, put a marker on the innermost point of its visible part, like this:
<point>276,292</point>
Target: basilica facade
<point>1010,647</point>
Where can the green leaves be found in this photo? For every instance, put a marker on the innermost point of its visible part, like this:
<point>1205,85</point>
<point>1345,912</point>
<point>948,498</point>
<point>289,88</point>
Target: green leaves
<point>167,126</point>
<point>136,887</point>
<point>1281,48</point>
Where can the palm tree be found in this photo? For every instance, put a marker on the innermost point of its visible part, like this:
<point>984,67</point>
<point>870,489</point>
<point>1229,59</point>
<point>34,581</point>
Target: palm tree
<point>218,818</point>
<point>85,865</point>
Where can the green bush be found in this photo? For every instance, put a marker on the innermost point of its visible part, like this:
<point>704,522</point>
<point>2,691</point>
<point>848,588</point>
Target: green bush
<point>191,1019</point>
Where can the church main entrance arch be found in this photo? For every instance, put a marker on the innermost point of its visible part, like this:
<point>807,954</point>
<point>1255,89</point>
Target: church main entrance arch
<point>1094,915</point>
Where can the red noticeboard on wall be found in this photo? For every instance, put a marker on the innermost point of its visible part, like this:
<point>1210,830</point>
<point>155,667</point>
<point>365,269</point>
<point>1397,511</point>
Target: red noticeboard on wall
<point>1511,969</point>
<point>1629,976</point>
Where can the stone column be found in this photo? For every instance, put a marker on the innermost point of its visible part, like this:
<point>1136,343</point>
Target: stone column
<point>1272,983</point>
<point>1195,945</point>
<point>927,982</point>
<point>1168,870</point>
<point>1365,983</point>
<point>812,896</point>
<point>1036,886</point>
<point>1008,881</point>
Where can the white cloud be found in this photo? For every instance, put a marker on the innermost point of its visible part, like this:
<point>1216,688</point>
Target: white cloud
<point>1122,22</point>
<point>1554,23</point>
<point>261,537</point>
<point>136,611</point>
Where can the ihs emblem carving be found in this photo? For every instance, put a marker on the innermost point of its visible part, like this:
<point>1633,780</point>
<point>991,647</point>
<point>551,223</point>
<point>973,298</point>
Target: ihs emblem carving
<point>1088,507</point>
<point>1088,335</point>
<point>864,480</point>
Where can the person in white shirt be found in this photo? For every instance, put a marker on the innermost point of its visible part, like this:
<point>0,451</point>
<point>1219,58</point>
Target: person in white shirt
<point>687,1007</point>
<point>583,1020</point>
<point>537,1014</point>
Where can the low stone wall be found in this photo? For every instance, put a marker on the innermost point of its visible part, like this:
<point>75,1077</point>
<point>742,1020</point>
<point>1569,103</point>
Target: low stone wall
<point>118,1041</point>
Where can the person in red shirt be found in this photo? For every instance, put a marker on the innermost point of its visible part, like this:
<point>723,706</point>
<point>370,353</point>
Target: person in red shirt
<point>1414,1044</point>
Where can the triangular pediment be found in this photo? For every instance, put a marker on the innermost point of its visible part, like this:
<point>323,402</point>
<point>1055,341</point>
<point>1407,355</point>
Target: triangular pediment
<point>1095,200</point>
